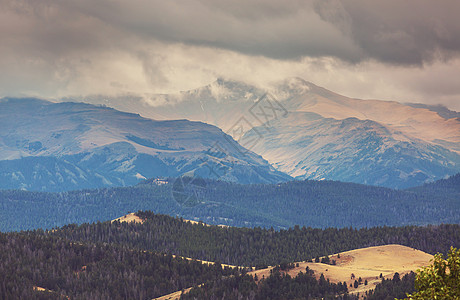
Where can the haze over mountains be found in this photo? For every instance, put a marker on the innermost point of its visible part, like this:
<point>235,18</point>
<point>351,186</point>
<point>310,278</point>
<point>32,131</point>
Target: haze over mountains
<point>64,146</point>
<point>302,130</point>
<point>47,146</point>
<point>309,132</point>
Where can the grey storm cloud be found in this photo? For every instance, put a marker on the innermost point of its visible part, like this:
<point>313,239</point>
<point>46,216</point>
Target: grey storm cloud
<point>405,50</point>
<point>410,32</point>
<point>400,32</point>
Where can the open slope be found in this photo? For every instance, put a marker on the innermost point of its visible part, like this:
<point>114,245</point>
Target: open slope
<point>365,263</point>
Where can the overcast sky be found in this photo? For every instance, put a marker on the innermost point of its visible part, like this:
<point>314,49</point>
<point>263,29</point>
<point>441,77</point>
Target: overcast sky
<point>383,49</point>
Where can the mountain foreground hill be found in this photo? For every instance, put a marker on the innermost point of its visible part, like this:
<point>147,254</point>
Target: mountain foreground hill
<point>368,266</point>
<point>117,260</point>
<point>68,146</point>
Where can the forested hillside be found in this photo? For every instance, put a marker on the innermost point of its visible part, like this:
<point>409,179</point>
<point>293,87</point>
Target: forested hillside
<point>277,286</point>
<point>34,266</point>
<point>92,271</point>
<point>449,188</point>
<point>114,260</point>
<point>318,204</point>
<point>303,286</point>
<point>255,247</point>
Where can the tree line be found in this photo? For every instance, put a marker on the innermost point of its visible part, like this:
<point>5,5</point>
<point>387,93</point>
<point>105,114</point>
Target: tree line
<point>318,204</point>
<point>92,271</point>
<point>278,285</point>
<point>114,260</point>
<point>255,246</point>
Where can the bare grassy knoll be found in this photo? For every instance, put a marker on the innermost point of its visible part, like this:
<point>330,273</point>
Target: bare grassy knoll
<point>367,263</point>
<point>131,217</point>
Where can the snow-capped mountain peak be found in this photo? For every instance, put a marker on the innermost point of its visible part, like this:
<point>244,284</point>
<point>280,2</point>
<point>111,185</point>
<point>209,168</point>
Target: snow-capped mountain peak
<point>319,121</point>
<point>61,146</point>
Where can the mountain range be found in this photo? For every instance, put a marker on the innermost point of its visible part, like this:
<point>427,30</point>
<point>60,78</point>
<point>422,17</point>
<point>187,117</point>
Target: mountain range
<point>309,132</point>
<point>292,129</point>
<point>65,146</point>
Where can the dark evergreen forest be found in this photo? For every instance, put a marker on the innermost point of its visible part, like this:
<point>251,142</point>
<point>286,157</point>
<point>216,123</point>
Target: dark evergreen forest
<point>277,286</point>
<point>114,260</point>
<point>396,287</point>
<point>92,271</point>
<point>257,246</point>
<point>304,286</point>
<point>318,204</point>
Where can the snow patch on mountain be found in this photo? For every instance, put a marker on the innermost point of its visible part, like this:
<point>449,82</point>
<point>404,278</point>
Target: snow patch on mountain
<point>399,128</point>
<point>74,145</point>
<point>354,150</point>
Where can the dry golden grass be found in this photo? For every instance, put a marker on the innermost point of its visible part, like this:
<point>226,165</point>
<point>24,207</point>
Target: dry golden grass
<point>205,261</point>
<point>40,289</point>
<point>172,296</point>
<point>131,217</point>
<point>195,222</point>
<point>367,263</point>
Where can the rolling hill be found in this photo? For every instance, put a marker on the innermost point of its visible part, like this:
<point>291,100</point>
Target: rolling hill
<point>117,260</point>
<point>371,264</point>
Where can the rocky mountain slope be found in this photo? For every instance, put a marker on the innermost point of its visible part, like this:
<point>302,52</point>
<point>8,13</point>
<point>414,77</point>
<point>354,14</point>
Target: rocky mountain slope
<point>63,146</point>
<point>310,132</point>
